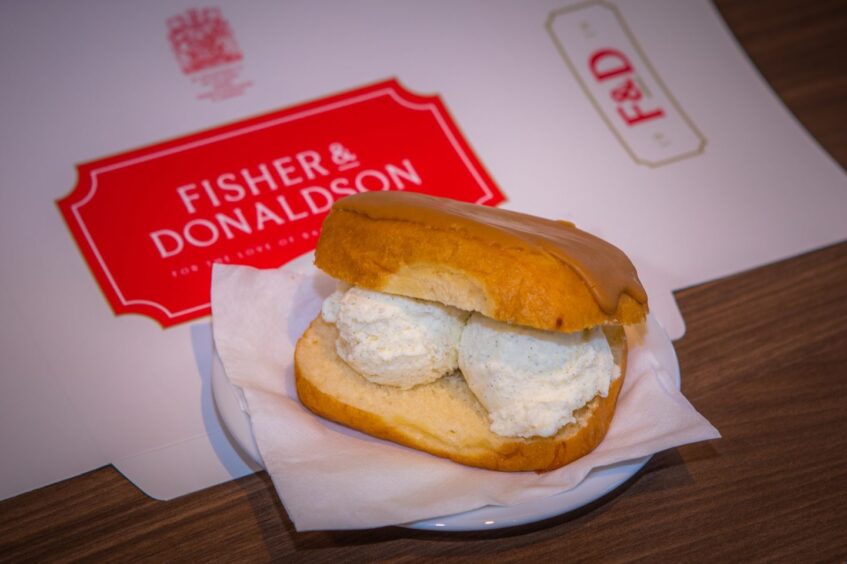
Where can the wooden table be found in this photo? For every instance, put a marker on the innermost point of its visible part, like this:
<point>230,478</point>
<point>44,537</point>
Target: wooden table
<point>764,359</point>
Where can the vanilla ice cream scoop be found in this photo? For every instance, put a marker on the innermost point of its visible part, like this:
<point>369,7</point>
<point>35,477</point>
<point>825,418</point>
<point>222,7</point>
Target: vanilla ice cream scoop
<point>532,381</point>
<point>394,340</point>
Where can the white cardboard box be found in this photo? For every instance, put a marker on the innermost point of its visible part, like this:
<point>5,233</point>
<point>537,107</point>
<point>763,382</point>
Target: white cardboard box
<point>741,183</point>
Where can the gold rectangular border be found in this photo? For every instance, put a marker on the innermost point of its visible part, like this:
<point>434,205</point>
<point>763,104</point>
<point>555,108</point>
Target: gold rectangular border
<point>561,48</point>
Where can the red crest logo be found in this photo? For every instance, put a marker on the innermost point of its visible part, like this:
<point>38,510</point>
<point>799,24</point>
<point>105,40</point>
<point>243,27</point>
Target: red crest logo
<point>202,39</point>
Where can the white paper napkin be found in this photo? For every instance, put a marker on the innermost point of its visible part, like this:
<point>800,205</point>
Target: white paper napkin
<point>331,477</point>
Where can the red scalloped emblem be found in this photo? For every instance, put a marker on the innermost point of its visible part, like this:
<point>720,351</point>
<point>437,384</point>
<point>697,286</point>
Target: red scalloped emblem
<point>151,222</point>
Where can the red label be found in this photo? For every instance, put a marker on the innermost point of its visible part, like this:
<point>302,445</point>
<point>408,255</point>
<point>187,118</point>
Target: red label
<point>151,222</point>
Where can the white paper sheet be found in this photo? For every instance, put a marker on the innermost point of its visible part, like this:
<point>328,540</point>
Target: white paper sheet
<point>330,477</point>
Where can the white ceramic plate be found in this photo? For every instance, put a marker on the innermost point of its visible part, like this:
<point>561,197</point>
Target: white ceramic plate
<point>600,481</point>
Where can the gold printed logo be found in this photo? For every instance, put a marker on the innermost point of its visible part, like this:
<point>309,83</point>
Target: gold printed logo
<point>617,77</point>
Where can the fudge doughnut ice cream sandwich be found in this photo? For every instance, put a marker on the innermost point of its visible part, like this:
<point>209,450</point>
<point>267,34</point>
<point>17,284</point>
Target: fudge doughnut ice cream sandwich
<point>485,336</point>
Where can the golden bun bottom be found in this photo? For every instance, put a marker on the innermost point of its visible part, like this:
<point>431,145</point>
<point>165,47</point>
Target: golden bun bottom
<point>443,418</point>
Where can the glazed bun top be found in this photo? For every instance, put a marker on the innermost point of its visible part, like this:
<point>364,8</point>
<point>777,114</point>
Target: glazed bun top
<point>509,266</point>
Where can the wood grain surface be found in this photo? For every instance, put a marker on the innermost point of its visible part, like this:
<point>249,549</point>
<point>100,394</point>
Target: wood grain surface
<point>763,358</point>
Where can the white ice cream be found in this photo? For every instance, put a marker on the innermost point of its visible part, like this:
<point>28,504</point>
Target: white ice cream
<point>393,340</point>
<point>532,381</point>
